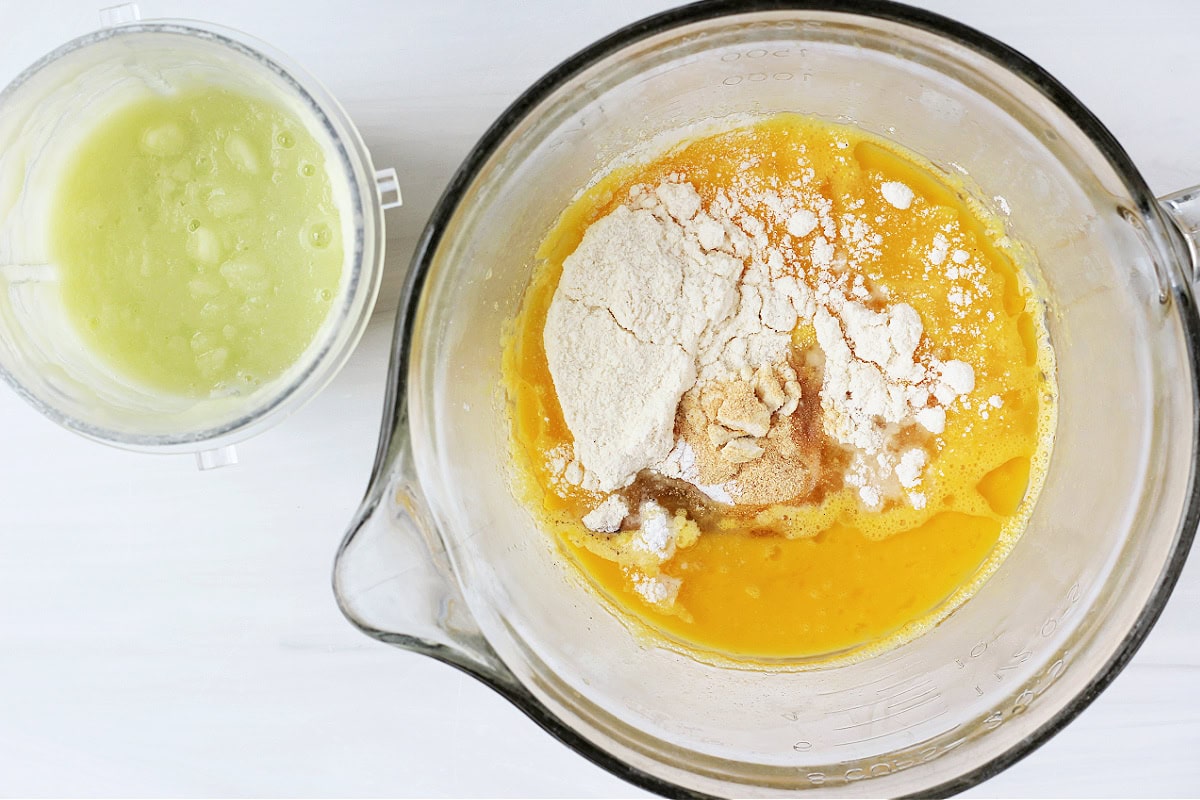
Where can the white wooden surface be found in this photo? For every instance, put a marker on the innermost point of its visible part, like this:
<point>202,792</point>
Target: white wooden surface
<point>166,632</point>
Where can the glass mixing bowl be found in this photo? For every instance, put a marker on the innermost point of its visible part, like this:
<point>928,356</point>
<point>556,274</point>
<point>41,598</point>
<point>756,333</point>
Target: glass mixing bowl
<point>443,561</point>
<point>43,115</point>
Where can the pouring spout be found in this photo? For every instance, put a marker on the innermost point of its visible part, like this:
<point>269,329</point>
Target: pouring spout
<point>393,580</point>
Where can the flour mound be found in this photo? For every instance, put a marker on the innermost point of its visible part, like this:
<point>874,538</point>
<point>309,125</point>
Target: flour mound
<point>672,323</point>
<point>655,297</point>
<point>618,393</point>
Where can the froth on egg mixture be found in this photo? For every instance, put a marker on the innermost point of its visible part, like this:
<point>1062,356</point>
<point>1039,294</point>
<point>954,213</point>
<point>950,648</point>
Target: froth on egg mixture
<point>781,392</point>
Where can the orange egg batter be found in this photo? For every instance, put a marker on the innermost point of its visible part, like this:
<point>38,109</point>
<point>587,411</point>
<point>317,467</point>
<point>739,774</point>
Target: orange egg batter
<point>826,578</point>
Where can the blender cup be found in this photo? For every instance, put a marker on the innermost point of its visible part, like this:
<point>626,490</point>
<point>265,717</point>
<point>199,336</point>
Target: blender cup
<point>444,561</point>
<point>44,113</point>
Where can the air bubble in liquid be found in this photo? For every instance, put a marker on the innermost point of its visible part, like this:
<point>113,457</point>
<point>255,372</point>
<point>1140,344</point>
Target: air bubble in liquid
<point>320,235</point>
<point>286,140</point>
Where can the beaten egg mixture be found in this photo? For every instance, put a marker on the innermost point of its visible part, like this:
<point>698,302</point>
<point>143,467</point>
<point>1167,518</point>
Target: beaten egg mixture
<point>839,561</point>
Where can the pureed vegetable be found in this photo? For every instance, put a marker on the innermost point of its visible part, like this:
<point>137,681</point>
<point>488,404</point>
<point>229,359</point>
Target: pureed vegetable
<point>198,239</point>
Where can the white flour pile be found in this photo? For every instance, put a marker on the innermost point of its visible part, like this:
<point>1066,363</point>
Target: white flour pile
<point>675,312</point>
<point>655,298</point>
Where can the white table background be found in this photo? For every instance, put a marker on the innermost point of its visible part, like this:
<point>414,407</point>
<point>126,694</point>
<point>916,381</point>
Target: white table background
<point>168,632</point>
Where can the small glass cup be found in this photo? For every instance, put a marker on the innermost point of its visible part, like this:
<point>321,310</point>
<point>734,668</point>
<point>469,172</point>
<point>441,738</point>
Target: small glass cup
<point>43,115</point>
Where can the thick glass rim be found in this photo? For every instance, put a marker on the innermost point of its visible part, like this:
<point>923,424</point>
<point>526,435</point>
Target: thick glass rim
<point>1163,233</point>
<point>322,364</point>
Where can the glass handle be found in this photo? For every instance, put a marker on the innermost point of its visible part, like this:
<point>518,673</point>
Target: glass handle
<point>112,16</point>
<point>388,186</point>
<point>215,459</point>
<point>1183,209</point>
<point>393,579</point>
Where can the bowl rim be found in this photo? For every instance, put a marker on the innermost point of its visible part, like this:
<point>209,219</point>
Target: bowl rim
<point>1166,235</point>
<point>365,261</point>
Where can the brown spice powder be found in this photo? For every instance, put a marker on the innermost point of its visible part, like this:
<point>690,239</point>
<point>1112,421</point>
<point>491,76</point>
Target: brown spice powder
<point>791,463</point>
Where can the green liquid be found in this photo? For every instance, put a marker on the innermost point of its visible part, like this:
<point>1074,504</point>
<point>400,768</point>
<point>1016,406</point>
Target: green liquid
<point>199,243</point>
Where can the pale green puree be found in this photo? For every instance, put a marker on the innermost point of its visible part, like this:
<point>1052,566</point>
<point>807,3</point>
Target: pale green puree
<point>198,239</point>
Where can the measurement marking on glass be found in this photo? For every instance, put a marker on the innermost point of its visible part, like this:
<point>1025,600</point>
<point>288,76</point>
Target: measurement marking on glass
<point>893,733</point>
<point>923,700</point>
<point>901,683</point>
<point>931,690</point>
<point>891,714</point>
<point>923,687</point>
<point>900,665</point>
<point>926,686</point>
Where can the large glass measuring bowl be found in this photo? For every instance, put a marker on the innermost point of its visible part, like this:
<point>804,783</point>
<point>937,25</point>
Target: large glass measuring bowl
<point>442,560</point>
